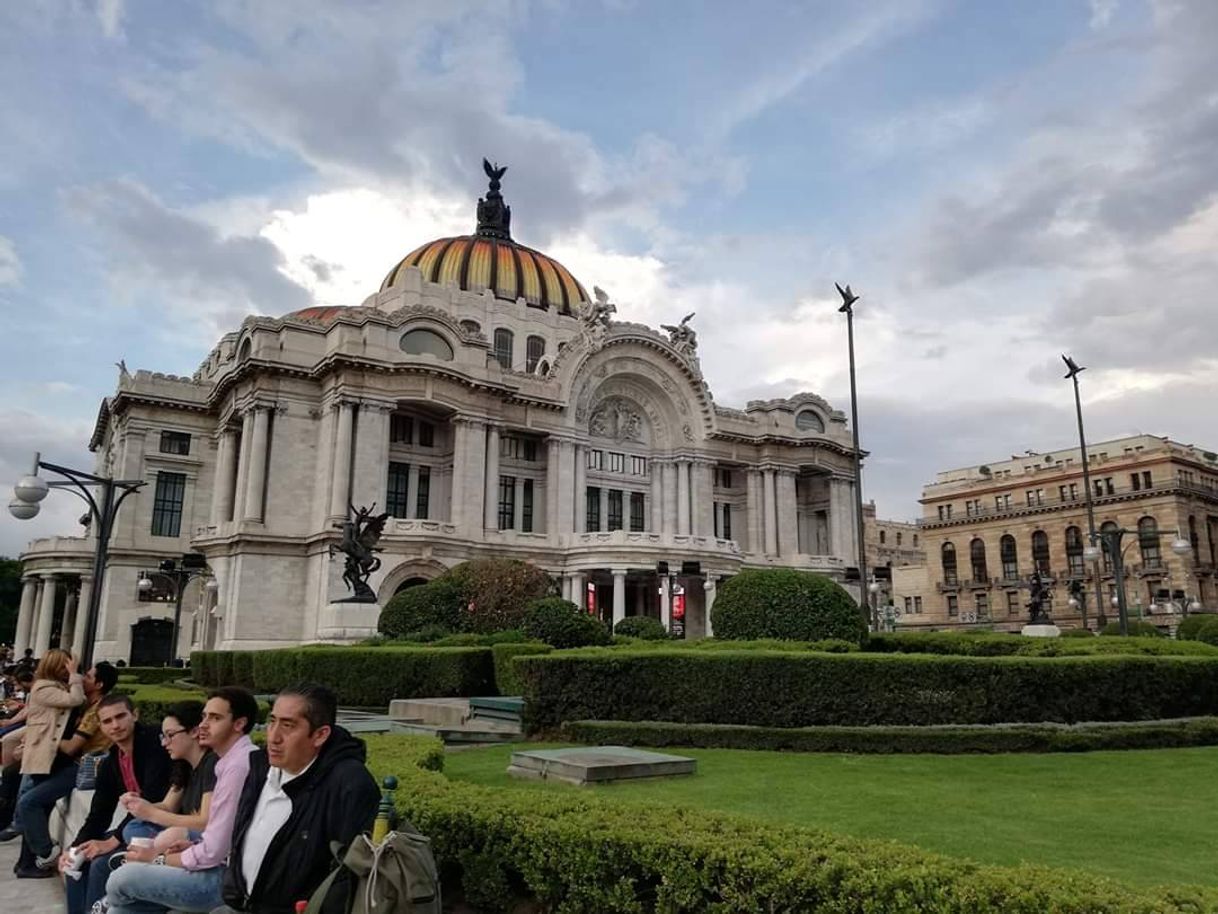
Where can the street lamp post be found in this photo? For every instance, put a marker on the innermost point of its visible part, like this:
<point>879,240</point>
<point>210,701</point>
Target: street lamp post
<point>1112,545</point>
<point>848,300</point>
<point>1072,372</point>
<point>31,490</point>
<point>179,577</point>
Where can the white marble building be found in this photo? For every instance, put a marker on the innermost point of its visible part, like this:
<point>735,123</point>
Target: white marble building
<point>494,409</point>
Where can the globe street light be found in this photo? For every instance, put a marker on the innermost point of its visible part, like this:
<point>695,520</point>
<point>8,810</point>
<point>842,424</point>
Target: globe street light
<point>32,489</point>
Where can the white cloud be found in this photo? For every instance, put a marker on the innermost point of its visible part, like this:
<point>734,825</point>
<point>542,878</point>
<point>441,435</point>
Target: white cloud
<point>110,15</point>
<point>1102,12</point>
<point>11,269</point>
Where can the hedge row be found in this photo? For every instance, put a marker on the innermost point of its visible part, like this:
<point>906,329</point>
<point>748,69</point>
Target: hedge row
<point>507,679</point>
<point>578,853</point>
<point>364,677</point>
<point>776,689</point>
<point>153,675</point>
<point>1004,645</point>
<point>944,740</point>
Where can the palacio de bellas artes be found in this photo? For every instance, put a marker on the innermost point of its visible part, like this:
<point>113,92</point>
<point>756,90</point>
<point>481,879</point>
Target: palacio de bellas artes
<point>487,405</point>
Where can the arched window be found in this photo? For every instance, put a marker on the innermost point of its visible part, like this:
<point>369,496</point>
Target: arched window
<point>534,349</point>
<point>883,536</point>
<point>1074,552</point>
<point>898,537</point>
<point>1040,551</point>
<point>949,565</point>
<point>1009,553</point>
<point>503,347</point>
<point>426,342</point>
<point>809,421</point>
<point>1148,542</point>
<point>1106,527</point>
<point>976,555</point>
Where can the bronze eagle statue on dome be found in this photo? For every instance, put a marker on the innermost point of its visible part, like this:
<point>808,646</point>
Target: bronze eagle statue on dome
<point>494,216</point>
<point>494,172</point>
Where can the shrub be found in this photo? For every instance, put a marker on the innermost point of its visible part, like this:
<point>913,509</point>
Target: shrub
<point>434,606</point>
<point>1134,627</point>
<point>560,623</point>
<point>1077,633</point>
<point>799,689</point>
<point>644,628</point>
<point>1000,645</point>
<point>507,679</point>
<point>786,604</point>
<point>496,593</point>
<point>1191,624</point>
<point>154,675</point>
<point>580,853</point>
<point>1208,633</point>
<point>945,740</point>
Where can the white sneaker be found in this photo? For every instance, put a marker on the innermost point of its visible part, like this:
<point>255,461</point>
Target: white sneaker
<point>101,906</point>
<point>50,860</point>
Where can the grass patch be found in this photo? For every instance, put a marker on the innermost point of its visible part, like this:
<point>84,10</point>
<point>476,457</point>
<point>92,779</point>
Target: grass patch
<point>1139,816</point>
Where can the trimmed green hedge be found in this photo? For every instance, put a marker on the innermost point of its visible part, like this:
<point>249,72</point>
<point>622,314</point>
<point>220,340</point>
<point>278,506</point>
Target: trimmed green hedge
<point>944,740</point>
<point>153,675</point>
<point>1003,645</point>
<point>784,603</point>
<point>579,853</point>
<point>507,680</point>
<point>808,689</point>
<point>1134,627</point>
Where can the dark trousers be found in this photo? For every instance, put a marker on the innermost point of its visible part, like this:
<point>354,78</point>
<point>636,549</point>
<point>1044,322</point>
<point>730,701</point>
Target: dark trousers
<point>91,885</point>
<point>10,783</point>
<point>37,803</point>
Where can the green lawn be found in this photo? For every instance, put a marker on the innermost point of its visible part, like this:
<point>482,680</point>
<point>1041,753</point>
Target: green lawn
<point>1145,816</point>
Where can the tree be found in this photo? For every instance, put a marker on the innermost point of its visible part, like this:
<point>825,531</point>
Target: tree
<point>10,598</point>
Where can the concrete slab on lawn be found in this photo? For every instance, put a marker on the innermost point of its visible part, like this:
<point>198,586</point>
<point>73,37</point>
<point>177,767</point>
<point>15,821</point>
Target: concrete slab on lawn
<point>597,765</point>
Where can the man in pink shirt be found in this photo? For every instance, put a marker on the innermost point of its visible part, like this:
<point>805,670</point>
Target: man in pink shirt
<point>188,876</point>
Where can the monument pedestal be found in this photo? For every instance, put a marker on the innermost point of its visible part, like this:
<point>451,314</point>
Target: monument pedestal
<point>1041,630</point>
<point>348,622</point>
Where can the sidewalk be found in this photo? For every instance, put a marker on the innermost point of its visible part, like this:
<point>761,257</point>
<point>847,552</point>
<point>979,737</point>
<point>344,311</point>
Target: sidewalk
<point>26,896</point>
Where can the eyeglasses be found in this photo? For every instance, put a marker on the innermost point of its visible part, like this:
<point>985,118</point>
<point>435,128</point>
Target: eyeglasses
<point>166,737</point>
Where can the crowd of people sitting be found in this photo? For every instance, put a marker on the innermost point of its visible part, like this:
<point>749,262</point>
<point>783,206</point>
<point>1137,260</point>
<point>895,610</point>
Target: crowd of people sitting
<point>192,816</point>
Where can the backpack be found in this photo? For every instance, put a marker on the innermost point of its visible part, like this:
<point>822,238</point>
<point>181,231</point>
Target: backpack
<point>398,876</point>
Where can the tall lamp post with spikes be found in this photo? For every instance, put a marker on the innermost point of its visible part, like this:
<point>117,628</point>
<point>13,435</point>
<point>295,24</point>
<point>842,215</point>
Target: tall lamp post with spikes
<point>848,300</point>
<point>1092,552</point>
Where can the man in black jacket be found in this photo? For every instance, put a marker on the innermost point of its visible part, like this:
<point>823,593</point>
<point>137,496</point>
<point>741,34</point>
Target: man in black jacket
<point>136,762</point>
<point>308,788</point>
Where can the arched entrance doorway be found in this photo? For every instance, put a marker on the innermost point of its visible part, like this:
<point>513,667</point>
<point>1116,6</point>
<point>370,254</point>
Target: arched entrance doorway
<point>409,582</point>
<point>150,642</point>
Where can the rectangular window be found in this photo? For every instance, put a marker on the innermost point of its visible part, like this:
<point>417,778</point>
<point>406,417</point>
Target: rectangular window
<point>636,512</point>
<point>1108,487</point>
<point>401,429</point>
<point>615,509</point>
<point>516,448</point>
<point>396,499</point>
<point>1074,491</point>
<point>1135,481</point>
<point>727,522</point>
<point>1012,602</point>
<point>725,479</point>
<point>420,506</point>
<point>593,503</point>
<point>167,504</point>
<point>175,443</point>
<point>617,463</point>
<point>972,507</point>
<point>1061,493</point>
<point>1002,502</point>
<point>507,502</point>
<point>1146,479</point>
<point>983,606</point>
<point>953,605</point>
<point>908,605</point>
<point>534,349</point>
<point>638,466</point>
<point>596,459</point>
<point>917,605</point>
<point>427,434</point>
<point>1099,488</point>
<point>526,507</point>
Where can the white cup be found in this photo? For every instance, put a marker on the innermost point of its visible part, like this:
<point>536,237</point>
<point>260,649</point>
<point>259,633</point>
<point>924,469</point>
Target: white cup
<point>140,842</point>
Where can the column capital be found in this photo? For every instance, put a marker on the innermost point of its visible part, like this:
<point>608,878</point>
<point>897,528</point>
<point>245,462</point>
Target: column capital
<point>383,406</point>
<point>471,421</point>
<point>619,572</point>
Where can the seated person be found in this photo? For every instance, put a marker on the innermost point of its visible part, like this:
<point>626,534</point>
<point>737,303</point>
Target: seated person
<point>307,789</point>
<point>182,815</point>
<point>187,876</point>
<point>136,763</point>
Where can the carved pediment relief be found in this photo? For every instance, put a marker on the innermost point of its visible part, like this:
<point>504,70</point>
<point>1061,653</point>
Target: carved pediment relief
<point>617,420</point>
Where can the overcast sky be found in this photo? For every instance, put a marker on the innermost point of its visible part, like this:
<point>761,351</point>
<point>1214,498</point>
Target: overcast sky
<point>1001,181</point>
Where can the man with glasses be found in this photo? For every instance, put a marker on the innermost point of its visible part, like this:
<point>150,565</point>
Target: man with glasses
<point>187,877</point>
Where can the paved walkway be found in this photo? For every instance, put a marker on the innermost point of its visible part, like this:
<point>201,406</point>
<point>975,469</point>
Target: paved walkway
<point>26,896</point>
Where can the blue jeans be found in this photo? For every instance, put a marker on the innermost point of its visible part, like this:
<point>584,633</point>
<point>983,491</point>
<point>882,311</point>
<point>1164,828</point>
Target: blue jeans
<point>138,828</point>
<point>35,804</point>
<point>91,886</point>
<point>144,888</point>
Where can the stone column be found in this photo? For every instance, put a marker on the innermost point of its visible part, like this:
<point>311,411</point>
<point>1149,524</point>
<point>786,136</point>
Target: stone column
<point>753,520</point>
<point>657,497</point>
<point>683,497</point>
<point>243,465</point>
<point>412,491</point>
<point>255,492</point>
<point>82,616</point>
<point>788,525</point>
<point>344,439</point>
<point>842,534</point>
<point>370,456</point>
<point>553,486</point>
<point>581,492</point>
<point>704,498</point>
<point>69,620</point>
<point>226,470</point>
<point>769,497</point>
<point>25,616</point>
<point>469,477</point>
<point>323,470</point>
<point>46,615</point>
<point>604,524</point>
<point>491,503</point>
<point>579,592</point>
<point>711,587</point>
<point>619,595</point>
<point>666,600</point>
<point>518,505</point>
<point>671,477</point>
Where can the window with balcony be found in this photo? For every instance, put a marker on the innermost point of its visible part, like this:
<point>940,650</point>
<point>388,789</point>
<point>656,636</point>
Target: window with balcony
<point>976,554</point>
<point>1040,552</point>
<point>593,505</point>
<point>972,507</point>
<point>1008,552</point>
<point>945,512</point>
<point>1002,502</point>
<point>526,506</point>
<point>948,555</point>
<point>175,443</point>
<point>1074,552</point>
<point>507,502</point>
<point>396,499</point>
<point>424,494</point>
<point>503,347</point>
<point>615,509</point>
<point>636,512</point>
<point>1148,543</point>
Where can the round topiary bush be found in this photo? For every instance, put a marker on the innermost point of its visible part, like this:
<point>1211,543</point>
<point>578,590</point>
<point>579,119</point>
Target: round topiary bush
<point>497,592</point>
<point>785,604</point>
<point>434,607</point>
<point>643,627</point>
<point>562,624</point>
<point>1191,625</point>
<point>1136,628</point>
<point>1208,632</point>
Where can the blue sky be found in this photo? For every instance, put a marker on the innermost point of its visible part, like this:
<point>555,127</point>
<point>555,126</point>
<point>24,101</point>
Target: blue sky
<point>1002,181</point>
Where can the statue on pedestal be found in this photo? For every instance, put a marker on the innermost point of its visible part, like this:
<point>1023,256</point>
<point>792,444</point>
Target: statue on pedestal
<point>360,536</point>
<point>1038,594</point>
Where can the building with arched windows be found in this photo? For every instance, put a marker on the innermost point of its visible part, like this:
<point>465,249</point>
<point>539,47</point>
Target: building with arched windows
<point>491,407</point>
<point>986,529</point>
